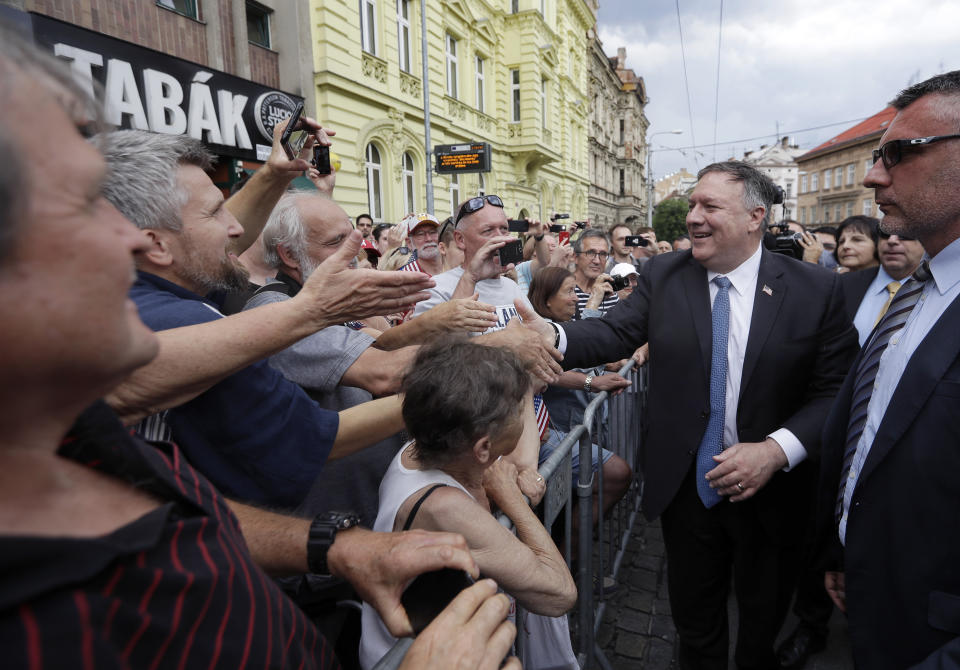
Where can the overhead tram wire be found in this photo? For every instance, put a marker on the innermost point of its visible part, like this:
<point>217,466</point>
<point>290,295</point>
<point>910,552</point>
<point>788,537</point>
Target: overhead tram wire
<point>767,136</point>
<point>716,99</point>
<point>686,83</point>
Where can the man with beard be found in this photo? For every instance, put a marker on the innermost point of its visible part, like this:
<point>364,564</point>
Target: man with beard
<point>423,238</point>
<point>257,436</point>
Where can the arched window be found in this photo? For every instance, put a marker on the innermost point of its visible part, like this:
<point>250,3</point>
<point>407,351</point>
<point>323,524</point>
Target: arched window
<point>374,189</point>
<point>409,202</point>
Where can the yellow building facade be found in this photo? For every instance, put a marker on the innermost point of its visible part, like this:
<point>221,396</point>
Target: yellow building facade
<point>511,73</point>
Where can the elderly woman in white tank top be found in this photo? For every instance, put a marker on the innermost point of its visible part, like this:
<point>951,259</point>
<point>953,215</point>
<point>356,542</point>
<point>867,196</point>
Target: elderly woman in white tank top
<point>466,407</point>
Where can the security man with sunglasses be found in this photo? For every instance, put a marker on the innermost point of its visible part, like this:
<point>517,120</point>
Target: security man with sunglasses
<point>890,499</point>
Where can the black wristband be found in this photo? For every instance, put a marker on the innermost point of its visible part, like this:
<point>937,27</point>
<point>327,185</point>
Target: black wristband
<point>539,237</point>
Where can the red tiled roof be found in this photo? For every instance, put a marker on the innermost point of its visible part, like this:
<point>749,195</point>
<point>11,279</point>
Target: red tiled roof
<point>876,123</point>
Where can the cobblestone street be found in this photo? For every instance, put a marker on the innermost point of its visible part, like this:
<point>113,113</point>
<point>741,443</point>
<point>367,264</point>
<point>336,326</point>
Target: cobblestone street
<point>637,629</point>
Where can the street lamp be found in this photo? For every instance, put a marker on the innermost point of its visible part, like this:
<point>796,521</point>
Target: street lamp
<point>650,172</point>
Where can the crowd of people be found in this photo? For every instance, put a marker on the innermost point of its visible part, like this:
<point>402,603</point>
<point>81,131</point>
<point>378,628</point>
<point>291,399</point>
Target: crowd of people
<point>225,417</point>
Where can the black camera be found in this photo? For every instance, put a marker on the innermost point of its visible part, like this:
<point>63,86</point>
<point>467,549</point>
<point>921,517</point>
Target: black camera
<point>781,240</point>
<point>511,252</point>
<point>559,216</point>
<point>430,593</point>
<point>620,282</point>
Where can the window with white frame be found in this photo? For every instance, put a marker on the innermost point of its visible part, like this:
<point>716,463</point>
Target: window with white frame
<point>838,176</point>
<point>543,103</point>
<point>515,96</point>
<point>481,185</point>
<point>851,174</point>
<point>409,184</point>
<point>479,78</point>
<point>454,192</point>
<point>803,215</point>
<point>788,189</point>
<point>867,206</point>
<point>827,178</point>
<point>838,212</point>
<point>374,169</point>
<point>403,35</point>
<point>866,167</point>
<point>514,6</point>
<point>543,8</point>
<point>451,66</point>
<point>803,183</point>
<point>826,214</point>
<point>850,208</point>
<point>368,26</point>
<point>814,181</point>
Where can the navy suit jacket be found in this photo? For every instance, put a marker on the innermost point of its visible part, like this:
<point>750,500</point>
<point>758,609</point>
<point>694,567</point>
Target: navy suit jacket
<point>855,285</point>
<point>799,348</point>
<point>902,554</point>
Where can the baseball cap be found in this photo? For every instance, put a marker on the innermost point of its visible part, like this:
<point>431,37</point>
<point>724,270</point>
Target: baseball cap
<point>369,246</point>
<point>411,221</point>
<point>623,270</point>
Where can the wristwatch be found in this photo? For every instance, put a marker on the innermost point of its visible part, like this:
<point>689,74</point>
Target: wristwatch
<point>323,530</point>
<point>588,382</point>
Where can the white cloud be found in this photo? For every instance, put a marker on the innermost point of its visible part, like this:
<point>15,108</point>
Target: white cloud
<point>802,64</point>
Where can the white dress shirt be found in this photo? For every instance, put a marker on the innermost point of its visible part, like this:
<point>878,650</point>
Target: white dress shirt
<point>873,301</point>
<point>743,290</point>
<point>937,295</point>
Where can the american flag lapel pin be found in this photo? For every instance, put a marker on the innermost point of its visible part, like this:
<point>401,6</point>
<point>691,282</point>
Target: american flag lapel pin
<point>766,289</point>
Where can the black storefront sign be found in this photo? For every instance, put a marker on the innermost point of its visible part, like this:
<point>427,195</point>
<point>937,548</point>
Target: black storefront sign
<point>150,90</point>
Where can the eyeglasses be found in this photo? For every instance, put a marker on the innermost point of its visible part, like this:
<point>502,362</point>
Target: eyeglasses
<point>447,223</point>
<point>902,238</point>
<point>892,151</point>
<point>476,204</point>
<point>593,254</point>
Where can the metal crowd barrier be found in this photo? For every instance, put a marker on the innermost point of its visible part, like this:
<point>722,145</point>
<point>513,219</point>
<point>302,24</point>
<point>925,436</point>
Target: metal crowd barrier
<point>625,415</point>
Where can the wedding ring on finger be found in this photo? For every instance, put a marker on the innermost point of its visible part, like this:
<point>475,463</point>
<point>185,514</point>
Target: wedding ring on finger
<point>740,486</point>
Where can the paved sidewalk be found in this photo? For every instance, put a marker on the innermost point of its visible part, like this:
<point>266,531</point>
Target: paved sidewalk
<point>637,631</point>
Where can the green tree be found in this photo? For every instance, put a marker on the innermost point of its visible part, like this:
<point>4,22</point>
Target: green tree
<point>670,219</point>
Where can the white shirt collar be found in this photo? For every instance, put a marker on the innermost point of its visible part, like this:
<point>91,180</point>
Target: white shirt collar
<point>945,267</point>
<point>744,276</point>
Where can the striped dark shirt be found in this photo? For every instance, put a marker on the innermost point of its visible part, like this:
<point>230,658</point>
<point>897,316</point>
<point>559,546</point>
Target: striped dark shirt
<point>177,588</point>
<point>582,297</point>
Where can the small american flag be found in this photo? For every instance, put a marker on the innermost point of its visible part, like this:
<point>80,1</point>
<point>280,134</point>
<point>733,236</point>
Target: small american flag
<point>766,289</point>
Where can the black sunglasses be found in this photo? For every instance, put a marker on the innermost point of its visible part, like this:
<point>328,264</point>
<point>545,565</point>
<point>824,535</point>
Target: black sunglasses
<point>476,204</point>
<point>904,238</point>
<point>892,151</point>
<point>447,223</point>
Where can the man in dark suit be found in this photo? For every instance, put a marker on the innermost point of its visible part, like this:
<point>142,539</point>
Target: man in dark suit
<point>868,293</point>
<point>891,461</point>
<point>730,424</point>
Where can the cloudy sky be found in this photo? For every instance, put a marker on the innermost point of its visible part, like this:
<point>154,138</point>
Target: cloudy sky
<point>799,63</point>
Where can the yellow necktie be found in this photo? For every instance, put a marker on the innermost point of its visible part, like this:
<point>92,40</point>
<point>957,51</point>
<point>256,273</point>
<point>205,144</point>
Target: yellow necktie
<point>892,289</point>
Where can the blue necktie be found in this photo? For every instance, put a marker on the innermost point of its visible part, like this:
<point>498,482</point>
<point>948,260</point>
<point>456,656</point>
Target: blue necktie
<point>712,442</point>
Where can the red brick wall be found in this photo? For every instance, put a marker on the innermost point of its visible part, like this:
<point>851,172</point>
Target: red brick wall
<point>264,67</point>
<point>139,21</point>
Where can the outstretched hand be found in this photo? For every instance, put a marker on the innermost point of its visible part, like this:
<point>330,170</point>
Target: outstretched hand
<point>381,565</point>
<point>336,292</point>
<point>279,164</point>
<point>461,315</point>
